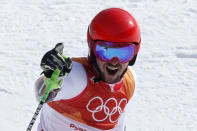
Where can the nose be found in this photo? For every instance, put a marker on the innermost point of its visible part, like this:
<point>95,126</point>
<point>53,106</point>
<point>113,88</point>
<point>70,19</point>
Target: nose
<point>114,61</point>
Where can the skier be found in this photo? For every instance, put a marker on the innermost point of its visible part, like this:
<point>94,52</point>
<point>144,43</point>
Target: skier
<point>95,94</point>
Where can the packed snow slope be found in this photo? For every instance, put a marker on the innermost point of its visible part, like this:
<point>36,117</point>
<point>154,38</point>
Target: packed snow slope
<point>166,95</point>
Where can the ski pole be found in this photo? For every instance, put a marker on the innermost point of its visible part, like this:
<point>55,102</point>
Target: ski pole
<point>51,85</point>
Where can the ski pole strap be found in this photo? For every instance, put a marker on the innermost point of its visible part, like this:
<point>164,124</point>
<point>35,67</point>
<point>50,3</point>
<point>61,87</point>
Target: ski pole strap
<point>51,85</point>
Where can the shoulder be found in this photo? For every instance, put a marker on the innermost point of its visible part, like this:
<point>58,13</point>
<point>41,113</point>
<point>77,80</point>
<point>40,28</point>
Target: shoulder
<point>77,70</point>
<point>132,72</point>
<point>74,83</point>
<point>134,75</point>
<point>129,82</point>
<point>130,75</point>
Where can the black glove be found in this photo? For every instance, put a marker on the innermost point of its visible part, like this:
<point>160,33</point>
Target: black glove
<point>53,59</point>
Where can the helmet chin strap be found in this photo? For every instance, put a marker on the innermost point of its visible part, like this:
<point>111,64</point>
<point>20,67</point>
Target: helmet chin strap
<point>97,70</point>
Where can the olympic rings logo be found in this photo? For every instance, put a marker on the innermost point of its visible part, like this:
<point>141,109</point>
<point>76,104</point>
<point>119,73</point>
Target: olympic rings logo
<point>103,106</point>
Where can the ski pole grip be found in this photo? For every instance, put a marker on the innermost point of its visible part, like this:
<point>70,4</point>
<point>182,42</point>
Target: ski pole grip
<point>54,77</point>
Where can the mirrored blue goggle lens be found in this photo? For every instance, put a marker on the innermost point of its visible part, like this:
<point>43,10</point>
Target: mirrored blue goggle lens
<point>106,52</point>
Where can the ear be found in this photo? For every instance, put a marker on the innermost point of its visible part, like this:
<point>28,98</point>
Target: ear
<point>132,62</point>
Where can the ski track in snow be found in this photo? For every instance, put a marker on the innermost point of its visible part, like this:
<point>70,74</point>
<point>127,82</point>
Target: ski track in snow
<point>165,99</point>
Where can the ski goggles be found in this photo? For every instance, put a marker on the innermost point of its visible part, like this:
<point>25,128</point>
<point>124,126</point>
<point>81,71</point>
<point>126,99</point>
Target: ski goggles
<point>107,51</point>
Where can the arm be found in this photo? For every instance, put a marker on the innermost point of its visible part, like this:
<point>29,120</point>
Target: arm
<point>73,85</point>
<point>122,124</point>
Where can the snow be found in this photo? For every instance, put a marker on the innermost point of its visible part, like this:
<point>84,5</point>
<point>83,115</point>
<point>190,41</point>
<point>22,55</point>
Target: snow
<point>166,96</point>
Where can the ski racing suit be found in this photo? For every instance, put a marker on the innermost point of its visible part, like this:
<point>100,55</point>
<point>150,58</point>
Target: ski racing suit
<point>85,105</point>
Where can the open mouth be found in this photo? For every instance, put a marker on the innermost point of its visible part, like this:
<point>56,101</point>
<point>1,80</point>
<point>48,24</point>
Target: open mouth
<point>112,70</point>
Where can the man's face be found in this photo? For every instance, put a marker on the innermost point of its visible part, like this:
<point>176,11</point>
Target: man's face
<point>111,71</point>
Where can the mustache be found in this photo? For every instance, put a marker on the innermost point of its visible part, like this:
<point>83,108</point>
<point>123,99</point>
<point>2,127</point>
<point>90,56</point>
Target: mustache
<point>116,66</point>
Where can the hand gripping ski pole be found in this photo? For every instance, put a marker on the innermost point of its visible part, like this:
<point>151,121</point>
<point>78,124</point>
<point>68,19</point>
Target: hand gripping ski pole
<point>50,86</point>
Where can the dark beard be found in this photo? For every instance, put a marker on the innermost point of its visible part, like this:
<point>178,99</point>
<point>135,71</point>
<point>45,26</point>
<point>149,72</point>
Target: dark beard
<point>103,77</point>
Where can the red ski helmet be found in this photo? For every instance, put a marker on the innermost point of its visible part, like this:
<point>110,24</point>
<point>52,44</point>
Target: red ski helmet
<point>114,25</point>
